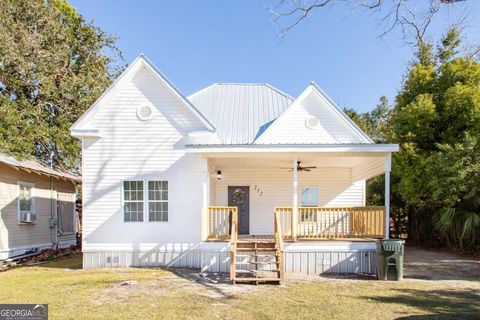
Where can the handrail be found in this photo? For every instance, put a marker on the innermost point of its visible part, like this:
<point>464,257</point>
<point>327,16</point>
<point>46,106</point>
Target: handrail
<point>233,244</point>
<point>278,233</point>
<point>286,221</point>
<point>219,221</point>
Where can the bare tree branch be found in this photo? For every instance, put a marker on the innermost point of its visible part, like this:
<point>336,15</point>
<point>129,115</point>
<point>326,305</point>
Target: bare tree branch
<point>406,14</point>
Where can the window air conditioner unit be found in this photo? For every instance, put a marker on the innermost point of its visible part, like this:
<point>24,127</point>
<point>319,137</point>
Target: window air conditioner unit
<point>28,217</point>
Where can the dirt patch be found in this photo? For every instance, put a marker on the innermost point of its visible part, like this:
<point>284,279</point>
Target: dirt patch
<point>210,285</point>
<point>420,263</point>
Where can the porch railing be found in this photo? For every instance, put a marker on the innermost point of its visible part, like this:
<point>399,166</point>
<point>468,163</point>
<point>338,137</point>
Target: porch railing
<point>219,222</point>
<point>341,222</point>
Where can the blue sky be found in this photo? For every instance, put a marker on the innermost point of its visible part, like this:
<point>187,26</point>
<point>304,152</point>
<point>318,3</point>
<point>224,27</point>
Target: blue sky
<point>197,43</point>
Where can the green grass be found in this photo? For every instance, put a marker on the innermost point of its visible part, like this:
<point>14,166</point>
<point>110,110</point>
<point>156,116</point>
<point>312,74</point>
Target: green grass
<point>73,293</point>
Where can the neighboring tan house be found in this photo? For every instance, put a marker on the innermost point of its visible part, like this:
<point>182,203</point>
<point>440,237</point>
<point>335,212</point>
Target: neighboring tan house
<point>238,177</point>
<point>37,207</point>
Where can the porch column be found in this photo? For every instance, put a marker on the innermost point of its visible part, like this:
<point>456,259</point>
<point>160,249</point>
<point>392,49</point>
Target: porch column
<point>295,200</point>
<point>205,200</point>
<point>388,168</point>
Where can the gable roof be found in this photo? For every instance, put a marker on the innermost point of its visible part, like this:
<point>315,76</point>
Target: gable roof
<point>37,167</point>
<point>290,126</point>
<point>80,127</point>
<point>241,111</point>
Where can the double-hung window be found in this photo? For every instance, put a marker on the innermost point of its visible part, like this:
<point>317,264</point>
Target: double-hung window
<point>155,201</point>
<point>133,200</point>
<point>26,205</point>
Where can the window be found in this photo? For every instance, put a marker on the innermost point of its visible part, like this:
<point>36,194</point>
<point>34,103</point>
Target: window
<point>65,213</point>
<point>26,206</point>
<point>157,200</point>
<point>309,197</point>
<point>133,200</point>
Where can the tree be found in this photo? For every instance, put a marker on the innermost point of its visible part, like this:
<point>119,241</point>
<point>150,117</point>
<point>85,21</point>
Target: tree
<point>409,16</point>
<point>53,65</point>
<point>375,122</point>
<point>436,120</point>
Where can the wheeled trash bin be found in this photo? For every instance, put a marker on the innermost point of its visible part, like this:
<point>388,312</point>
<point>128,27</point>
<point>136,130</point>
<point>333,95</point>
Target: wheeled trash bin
<point>390,256</point>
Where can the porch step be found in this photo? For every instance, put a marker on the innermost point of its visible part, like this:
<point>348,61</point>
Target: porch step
<point>257,271</point>
<point>252,251</point>
<point>257,249</point>
<point>256,280</point>
<point>246,255</point>
<point>245,263</point>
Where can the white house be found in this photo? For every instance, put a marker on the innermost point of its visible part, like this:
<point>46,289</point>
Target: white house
<point>238,176</point>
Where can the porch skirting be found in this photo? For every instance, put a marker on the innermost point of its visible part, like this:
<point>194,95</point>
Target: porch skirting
<point>301,257</point>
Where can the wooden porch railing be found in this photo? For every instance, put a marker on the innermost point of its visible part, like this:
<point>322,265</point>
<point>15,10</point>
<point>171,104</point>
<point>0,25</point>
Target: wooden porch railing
<point>233,244</point>
<point>278,235</point>
<point>341,222</point>
<point>219,221</point>
<point>285,219</point>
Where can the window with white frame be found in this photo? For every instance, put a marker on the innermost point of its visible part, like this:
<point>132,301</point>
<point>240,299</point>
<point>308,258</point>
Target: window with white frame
<point>309,199</point>
<point>26,205</point>
<point>133,200</point>
<point>157,200</point>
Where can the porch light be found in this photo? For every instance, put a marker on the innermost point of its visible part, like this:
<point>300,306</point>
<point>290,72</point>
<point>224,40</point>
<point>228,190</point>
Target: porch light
<point>219,175</point>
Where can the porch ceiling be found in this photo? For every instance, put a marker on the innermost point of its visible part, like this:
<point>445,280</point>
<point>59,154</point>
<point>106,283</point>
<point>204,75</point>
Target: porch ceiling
<point>278,161</point>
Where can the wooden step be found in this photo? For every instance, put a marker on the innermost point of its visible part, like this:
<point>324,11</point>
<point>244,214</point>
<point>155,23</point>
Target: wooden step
<point>256,280</point>
<point>245,263</point>
<point>257,271</point>
<point>246,255</point>
<point>257,249</point>
<point>250,246</point>
<point>250,241</point>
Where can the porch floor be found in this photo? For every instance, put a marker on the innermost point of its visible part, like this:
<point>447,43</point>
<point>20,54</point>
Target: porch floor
<point>271,238</point>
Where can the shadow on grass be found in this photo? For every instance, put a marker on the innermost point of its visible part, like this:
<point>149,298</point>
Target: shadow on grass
<point>348,276</point>
<point>210,280</point>
<point>440,304</point>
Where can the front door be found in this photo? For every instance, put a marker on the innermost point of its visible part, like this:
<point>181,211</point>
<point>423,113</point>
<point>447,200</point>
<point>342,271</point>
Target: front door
<point>239,197</point>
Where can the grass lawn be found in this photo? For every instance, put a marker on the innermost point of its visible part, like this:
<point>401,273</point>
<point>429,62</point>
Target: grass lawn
<point>73,293</point>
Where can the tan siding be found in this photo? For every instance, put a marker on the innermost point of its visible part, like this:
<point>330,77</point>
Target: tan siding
<point>13,234</point>
<point>273,187</point>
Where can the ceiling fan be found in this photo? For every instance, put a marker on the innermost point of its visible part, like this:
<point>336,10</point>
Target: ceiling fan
<point>301,168</point>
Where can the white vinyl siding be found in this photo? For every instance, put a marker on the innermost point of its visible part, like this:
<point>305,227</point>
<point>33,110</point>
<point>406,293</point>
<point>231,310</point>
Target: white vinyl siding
<point>291,126</point>
<point>133,201</point>
<point>157,200</point>
<point>270,188</point>
<point>131,149</point>
<point>26,202</point>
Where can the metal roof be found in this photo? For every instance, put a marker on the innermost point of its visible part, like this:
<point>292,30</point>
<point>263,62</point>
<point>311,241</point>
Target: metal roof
<point>35,166</point>
<point>240,111</point>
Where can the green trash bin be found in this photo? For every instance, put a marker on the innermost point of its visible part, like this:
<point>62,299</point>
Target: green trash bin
<point>390,256</point>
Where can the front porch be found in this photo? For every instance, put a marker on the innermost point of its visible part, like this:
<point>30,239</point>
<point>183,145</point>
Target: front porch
<point>305,209</point>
